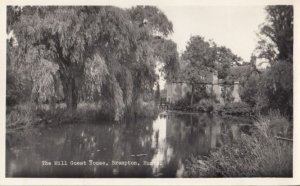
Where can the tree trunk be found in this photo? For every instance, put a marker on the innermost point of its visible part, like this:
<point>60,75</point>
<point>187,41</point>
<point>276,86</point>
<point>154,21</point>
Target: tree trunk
<point>72,95</point>
<point>54,96</point>
<point>70,90</point>
<point>192,96</point>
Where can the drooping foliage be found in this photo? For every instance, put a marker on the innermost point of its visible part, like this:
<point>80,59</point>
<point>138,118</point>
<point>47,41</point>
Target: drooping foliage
<point>166,52</point>
<point>102,54</point>
<point>151,18</point>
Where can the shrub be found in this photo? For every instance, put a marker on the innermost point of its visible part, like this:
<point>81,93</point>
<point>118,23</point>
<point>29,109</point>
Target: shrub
<point>204,105</point>
<point>276,86</point>
<point>146,109</point>
<point>237,108</point>
<point>274,124</point>
<point>86,111</point>
<point>20,116</point>
<point>272,89</point>
<point>248,89</point>
<point>256,155</point>
<point>182,104</point>
<point>18,88</point>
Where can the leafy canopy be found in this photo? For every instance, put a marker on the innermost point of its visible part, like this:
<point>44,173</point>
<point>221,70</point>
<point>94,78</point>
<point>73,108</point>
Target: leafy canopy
<point>104,54</point>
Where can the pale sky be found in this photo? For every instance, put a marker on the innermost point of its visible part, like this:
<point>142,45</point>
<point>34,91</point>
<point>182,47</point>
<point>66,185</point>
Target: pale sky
<point>232,26</point>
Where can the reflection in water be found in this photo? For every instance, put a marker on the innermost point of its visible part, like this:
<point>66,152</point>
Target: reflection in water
<point>163,151</point>
<point>158,147</point>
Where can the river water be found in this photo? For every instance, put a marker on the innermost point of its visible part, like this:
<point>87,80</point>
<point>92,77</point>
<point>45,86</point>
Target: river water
<point>139,148</point>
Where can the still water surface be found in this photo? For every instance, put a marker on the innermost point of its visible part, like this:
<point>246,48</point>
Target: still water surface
<point>140,148</point>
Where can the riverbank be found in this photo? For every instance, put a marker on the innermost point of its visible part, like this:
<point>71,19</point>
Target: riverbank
<point>209,106</point>
<point>26,115</point>
<point>267,151</point>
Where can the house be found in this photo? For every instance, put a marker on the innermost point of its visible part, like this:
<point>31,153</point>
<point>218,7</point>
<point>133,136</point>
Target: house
<point>220,88</point>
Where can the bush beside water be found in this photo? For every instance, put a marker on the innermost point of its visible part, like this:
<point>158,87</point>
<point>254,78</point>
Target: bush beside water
<point>260,154</point>
<point>20,116</point>
<point>210,105</point>
<point>29,114</point>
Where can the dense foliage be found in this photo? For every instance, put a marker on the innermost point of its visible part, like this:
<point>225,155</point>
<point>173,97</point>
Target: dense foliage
<point>99,54</point>
<point>272,88</point>
<point>203,58</point>
<point>260,154</point>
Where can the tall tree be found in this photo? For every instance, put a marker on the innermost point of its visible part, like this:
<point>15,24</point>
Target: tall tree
<point>276,46</point>
<point>225,58</point>
<point>276,34</point>
<point>70,36</point>
<point>153,27</point>
<point>166,53</point>
<point>102,53</point>
<point>202,58</point>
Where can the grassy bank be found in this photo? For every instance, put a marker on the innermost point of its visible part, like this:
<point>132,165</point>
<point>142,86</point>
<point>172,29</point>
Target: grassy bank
<point>26,115</point>
<point>260,154</point>
<point>20,116</point>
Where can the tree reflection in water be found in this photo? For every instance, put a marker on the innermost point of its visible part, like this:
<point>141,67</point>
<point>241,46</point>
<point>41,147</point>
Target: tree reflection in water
<point>164,143</point>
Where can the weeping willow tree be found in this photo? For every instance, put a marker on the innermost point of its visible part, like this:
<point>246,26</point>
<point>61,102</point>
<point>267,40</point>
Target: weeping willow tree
<point>100,54</point>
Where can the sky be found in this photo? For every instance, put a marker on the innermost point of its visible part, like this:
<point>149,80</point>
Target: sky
<point>234,27</point>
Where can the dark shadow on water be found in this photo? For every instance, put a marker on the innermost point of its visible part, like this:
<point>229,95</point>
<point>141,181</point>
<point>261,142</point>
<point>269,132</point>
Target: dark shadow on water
<point>157,147</point>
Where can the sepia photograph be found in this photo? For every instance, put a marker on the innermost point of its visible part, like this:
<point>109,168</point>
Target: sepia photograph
<point>149,91</point>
